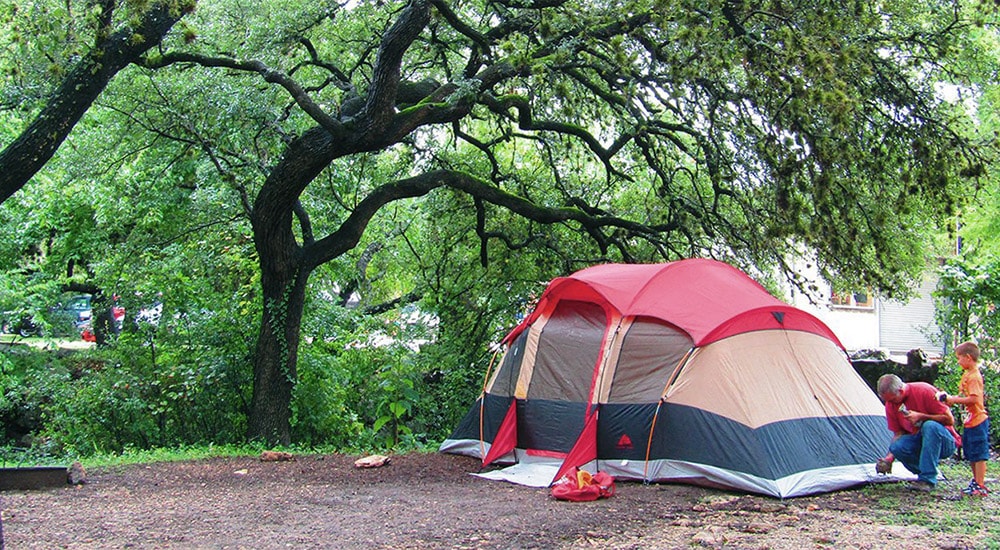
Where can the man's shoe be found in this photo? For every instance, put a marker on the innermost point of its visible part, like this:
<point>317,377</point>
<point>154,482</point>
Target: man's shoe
<point>920,486</point>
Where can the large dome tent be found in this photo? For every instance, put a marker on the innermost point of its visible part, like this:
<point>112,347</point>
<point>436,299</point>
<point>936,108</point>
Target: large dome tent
<point>688,371</point>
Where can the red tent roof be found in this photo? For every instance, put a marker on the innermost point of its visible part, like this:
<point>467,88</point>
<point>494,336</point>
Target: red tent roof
<point>708,299</point>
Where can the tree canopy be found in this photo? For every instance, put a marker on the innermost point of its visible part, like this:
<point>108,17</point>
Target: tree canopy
<point>580,131</point>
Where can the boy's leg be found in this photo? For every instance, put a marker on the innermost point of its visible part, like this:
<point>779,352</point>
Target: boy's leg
<point>977,450</point>
<point>937,444</point>
<point>979,472</point>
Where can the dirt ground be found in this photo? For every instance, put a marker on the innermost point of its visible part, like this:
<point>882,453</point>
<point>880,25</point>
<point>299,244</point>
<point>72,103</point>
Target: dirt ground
<point>429,501</point>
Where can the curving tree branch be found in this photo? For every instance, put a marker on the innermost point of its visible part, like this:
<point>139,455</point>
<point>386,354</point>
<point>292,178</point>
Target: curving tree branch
<point>349,234</point>
<point>294,89</point>
<point>34,147</point>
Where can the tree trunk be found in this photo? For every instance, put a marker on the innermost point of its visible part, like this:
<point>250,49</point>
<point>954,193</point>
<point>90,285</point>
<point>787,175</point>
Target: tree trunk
<point>274,372</point>
<point>283,276</point>
<point>285,265</point>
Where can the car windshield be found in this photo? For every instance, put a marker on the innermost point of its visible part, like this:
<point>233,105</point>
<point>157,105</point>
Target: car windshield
<point>79,303</point>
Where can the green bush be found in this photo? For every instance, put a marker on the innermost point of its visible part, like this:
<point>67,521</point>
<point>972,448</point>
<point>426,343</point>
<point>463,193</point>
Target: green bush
<point>162,388</point>
<point>357,397</point>
<point>450,386</point>
<point>362,386</point>
<point>966,298</point>
<point>322,414</point>
<point>32,380</point>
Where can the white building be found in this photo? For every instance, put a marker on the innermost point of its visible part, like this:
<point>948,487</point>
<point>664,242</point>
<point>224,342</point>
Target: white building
<point>863,321</point>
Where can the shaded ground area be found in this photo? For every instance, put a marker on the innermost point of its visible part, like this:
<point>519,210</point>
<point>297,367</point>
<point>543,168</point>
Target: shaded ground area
<point>430,501</point>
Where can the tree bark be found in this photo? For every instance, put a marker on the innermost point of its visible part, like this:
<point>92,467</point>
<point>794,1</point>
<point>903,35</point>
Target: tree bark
<point>274,363</point>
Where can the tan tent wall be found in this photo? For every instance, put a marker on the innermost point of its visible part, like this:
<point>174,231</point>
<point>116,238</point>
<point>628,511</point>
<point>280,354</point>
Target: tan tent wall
<point>750,377</point>
<point>504,378</point>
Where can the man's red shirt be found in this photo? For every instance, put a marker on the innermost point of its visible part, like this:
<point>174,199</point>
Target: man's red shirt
<point>918,397</point>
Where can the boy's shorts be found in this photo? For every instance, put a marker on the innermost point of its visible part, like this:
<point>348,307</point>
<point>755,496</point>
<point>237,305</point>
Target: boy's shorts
<point>976,442</point>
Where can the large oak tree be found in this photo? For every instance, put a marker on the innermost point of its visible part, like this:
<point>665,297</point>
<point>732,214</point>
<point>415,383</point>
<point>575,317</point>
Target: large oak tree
<point>743,130</point>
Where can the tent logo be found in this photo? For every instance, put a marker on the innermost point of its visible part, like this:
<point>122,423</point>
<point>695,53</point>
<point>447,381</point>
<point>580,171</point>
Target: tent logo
<point>624,443</point>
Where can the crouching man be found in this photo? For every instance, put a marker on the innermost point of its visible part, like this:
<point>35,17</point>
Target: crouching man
<point>923,427</point>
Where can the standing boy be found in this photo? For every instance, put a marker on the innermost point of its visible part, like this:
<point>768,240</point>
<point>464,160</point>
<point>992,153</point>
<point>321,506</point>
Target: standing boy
<point>976,432</point>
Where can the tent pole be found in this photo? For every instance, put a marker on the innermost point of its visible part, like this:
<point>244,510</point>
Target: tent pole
<point>677,371</point>
<point>663,397</point>
<point>649,443</point>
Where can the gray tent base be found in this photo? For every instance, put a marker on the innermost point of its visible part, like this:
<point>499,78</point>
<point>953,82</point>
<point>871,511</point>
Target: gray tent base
<point>535,471</point>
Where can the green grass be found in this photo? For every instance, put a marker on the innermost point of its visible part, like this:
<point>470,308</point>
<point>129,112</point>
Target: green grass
<point>147,456</point>
<point>943,511</point>
<point>12,456</point>
<point>43,342</point>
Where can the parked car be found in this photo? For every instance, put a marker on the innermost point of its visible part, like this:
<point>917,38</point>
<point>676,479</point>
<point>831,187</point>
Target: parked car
<point>76,311</point>
<point>19,322</point>
<point>70,316</point>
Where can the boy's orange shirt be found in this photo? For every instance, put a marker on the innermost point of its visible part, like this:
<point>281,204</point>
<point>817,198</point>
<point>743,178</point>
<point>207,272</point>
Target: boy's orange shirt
<point>970,385</point>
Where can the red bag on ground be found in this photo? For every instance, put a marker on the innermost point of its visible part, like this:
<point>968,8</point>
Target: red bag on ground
<point>580,486</point>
